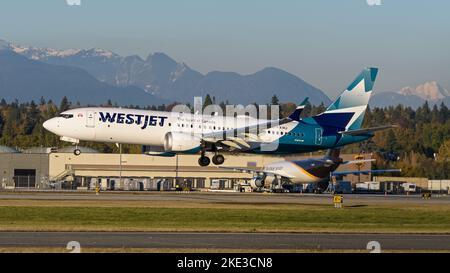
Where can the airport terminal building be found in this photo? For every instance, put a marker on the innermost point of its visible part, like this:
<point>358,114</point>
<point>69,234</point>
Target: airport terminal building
<point>48,168</point>
<point>60,169</point>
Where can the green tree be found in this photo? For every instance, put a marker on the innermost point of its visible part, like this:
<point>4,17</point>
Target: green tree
<point>444,151</point>
<point>64,105</point>
<point>1,124</point>
<point>208,101</point>
<point>275,100</point>
<point>42,101</point>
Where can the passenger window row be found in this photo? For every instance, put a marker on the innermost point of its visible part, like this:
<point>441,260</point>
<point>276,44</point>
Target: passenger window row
<point>183,125</point>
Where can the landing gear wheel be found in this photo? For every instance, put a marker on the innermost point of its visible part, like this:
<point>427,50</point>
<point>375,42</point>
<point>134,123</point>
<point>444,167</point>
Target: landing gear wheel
<point>204,161</point>
<point>77,152</point>
<point>218,159</point>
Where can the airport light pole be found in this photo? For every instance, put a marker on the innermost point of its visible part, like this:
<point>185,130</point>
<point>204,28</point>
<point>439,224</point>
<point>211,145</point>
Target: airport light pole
<point>443,175</point>
<point>359,165</point>
<point>176,170</point>
<point>442,172</point>
<point>120,164</point>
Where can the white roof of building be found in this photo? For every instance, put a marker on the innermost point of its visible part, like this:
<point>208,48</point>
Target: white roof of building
<point>69,149</point>
<point>7,150</point>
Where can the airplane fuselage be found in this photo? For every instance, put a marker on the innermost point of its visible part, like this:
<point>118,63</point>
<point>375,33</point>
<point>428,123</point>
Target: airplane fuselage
<point>151,128</point>
<point>303,171</point>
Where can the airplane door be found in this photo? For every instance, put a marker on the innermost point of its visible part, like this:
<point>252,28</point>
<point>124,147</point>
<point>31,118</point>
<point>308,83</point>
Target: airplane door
<point>90,119</point>
<point>318,139</point>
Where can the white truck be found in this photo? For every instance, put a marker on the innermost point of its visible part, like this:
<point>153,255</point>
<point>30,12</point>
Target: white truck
<point>368,186</point>
<point>408,187</point>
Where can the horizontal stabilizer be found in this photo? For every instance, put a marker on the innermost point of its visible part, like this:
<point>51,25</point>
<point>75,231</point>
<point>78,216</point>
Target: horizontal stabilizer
<point>358,161</point>
<point>366,130</point>
<point>366,172</point>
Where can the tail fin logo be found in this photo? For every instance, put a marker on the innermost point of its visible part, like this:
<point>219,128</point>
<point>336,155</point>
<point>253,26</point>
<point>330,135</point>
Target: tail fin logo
<point>348,110</point>
<point>358,92</point>
<point>366,79</point>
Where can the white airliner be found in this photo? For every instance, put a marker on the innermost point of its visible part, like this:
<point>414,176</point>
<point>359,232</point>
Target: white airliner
<point>312,170</point>
<point>169,133</point>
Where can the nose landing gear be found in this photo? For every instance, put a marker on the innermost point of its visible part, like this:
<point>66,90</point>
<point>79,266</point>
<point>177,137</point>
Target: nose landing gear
<point>77,151</point>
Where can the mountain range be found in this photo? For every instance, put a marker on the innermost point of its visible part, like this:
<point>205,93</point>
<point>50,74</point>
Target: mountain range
<point>92,76</point>
<point>25,80</point>
<point>163,77</point>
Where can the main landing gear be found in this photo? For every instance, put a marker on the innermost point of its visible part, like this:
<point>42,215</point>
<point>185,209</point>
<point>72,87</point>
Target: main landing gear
<point>217,159</point>
<point>204,161</point>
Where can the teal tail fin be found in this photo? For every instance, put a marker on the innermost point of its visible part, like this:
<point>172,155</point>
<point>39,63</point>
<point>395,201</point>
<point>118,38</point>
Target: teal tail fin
<point>348,110</point>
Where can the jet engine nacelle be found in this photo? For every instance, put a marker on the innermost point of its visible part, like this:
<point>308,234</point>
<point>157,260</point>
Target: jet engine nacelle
<point>181,142</point>
<point>258,181</point>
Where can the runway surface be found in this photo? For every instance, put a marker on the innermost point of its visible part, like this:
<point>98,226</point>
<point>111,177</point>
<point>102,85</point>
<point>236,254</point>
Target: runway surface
<point>202,240</point>
<point>238,198</point>
<point>413,242</point>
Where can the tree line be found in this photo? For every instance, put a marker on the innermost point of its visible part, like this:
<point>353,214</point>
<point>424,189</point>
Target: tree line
<point>419,145</point>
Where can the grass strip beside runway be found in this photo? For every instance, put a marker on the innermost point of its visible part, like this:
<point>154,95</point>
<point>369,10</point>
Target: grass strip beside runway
<point>374,219</point>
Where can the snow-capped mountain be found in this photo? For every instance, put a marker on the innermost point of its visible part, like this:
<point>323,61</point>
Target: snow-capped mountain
<point>25,79</point>
<point>413,97</point>
<point>42,54</point>
<point>163,77</point>
<point>4,45</point>
<point>427,91</point>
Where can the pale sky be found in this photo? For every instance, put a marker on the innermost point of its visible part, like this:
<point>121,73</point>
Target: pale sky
<point>324,42</point>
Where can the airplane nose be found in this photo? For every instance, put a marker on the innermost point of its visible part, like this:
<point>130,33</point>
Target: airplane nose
<point>45,125</point>
<point>49,125</point>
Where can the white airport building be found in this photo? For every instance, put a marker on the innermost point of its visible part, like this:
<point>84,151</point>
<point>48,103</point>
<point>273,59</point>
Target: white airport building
<point>48,168</point>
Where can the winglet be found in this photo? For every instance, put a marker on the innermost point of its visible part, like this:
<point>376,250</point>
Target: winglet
<point>296,114</point>
<point>304,102</point>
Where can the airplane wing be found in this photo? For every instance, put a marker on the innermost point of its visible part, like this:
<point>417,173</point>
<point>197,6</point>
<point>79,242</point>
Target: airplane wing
<point>253,171</point>
<point>251,128</point>
<point>238,138</point>
<point>358,161</point>
<point>328,162</point>
<point>366,130</point>
<point>366,172</point>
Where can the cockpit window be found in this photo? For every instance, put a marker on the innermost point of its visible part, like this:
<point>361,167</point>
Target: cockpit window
<point>66,116</point>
